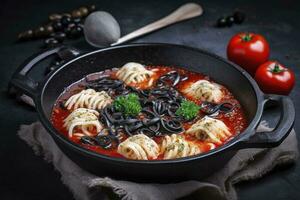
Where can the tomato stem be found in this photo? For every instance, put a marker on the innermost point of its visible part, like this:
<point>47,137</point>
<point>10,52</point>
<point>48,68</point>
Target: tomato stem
<point>277,69</point>
<point>247,37</point>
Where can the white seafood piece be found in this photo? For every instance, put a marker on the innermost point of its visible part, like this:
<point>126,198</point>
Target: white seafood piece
<point>88,99</point>
<point>175,146</point>
<point>139,147</point>
<point>83,119</point>
<point>210,130</point>
<point>205,91</point>
<point>133,73</point>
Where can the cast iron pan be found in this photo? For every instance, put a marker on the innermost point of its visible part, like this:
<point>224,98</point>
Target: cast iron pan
<point>233,77</point>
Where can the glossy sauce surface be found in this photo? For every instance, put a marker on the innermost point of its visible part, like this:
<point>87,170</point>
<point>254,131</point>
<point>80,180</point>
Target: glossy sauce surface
<point>235,120</point>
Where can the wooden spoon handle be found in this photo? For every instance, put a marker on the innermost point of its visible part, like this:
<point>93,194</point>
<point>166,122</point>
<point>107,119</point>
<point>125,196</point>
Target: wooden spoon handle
<point>184,12</point>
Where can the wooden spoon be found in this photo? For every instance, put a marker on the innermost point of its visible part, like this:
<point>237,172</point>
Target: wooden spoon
<point>184,12</point>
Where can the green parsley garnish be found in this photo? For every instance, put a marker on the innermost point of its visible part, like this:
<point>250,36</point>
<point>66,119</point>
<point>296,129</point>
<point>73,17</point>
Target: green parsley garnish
<point>188,109</point>
<point>180,147</point>
<point>129,104</point>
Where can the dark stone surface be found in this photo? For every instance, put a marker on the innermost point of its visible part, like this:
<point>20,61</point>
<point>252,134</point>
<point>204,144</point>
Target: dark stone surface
<point>26,176</point>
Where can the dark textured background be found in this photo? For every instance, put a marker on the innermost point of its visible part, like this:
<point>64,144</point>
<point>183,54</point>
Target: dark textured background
<point>26,176</point>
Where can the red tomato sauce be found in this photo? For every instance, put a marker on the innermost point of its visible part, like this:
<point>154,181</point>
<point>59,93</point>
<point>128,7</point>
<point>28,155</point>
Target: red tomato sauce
<point>235,120</point>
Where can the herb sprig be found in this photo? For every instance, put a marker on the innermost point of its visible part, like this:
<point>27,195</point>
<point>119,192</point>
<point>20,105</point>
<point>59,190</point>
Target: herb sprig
<point>188,110</point>
<point>129,104</point>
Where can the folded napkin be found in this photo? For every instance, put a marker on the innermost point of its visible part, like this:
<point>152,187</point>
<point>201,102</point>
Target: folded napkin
<point>245,165</point>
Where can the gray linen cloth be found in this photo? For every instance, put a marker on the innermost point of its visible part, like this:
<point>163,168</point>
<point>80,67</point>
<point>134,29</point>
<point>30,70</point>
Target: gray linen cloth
<point>247,164</point>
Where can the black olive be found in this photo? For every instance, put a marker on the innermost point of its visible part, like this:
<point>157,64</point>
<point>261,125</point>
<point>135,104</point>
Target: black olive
<point>229,20</point>
<point>60,36</point>
<point>49,42</point>
<point>222,22</point>
<point>76,32</point>
<point>239,17</point>
<point>77,20</point>
<point>57,26</point>
<point>65,20</point>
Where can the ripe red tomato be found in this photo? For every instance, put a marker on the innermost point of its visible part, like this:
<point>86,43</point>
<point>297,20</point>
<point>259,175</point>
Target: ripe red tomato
<point>272,77</point>
<point>248,50</point>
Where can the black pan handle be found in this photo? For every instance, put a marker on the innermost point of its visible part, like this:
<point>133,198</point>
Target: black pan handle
<point>22,83</point>
<point>282,129</point>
